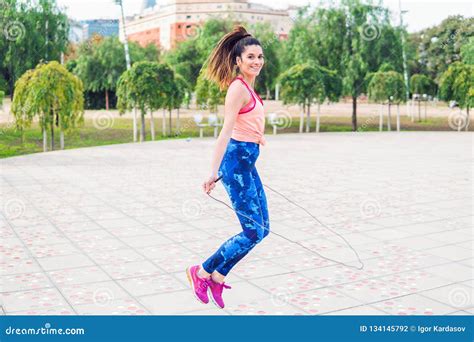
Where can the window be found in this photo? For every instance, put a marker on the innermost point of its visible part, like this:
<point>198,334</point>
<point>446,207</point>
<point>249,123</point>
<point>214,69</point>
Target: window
<point>188,17</point>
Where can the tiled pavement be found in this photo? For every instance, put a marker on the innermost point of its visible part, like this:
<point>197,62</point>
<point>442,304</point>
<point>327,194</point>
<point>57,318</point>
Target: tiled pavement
<point>110,230</point>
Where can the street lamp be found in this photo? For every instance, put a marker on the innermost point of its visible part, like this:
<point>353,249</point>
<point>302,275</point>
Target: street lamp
<point>405,71</point>
<point>127,61</point>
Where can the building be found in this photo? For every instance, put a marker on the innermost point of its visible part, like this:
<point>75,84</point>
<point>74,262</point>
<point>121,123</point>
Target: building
<point>172,21</point>
<point>76,31</point>
<point>103,27</point>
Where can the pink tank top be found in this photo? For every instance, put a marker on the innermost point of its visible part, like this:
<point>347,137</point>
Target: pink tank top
<point>250,124</point>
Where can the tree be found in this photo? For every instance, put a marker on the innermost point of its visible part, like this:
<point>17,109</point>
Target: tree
<point>440,45</point>
<point>270,44</point>
<point>421,85</point>
<point>306,83</point>
<point>467,52</point>
<point>182,95</point>
<point>366,28</point>
<point>147,86</point>
<point>208,94</point>
<point>189,56</point>
<point>389,87</point>
<point>101,61</point>
<point>186,61</point>
<point>52,93</point>
<point>34,31</point>
<point>457,84</point>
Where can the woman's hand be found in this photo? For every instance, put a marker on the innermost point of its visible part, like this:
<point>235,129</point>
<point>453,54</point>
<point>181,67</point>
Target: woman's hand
<point>209,184</point>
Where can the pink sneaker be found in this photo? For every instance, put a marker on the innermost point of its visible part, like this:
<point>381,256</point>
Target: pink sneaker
<point>198,284</point>
<point>216,292</point>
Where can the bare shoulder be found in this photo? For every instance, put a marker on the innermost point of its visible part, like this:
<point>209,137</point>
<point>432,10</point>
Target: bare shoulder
<point>237,93</point>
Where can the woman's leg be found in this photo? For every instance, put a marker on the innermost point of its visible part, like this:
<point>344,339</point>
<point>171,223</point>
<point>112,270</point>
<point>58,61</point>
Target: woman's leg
<point>225,268</point>
<point>242,189</point>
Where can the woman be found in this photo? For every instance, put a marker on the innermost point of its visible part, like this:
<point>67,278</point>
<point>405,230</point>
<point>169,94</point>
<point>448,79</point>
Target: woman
<point>235,63</point>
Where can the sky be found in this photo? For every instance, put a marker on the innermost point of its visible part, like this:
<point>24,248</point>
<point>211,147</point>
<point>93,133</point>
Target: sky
<point>421,13</point>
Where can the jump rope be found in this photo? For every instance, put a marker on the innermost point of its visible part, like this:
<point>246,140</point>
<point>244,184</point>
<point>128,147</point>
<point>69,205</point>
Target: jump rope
<point>292,241</point>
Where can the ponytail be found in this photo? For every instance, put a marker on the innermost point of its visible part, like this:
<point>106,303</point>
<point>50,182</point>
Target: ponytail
<point>220,65</point>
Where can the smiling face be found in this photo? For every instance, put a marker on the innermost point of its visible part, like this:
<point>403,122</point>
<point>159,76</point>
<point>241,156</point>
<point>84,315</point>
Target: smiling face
<point>251,61</point>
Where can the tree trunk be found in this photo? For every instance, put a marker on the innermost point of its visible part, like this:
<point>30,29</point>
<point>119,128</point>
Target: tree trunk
<point>177,122</point>
<point>389,127</point>
<point>467,119</point>
<point>61,136</point>
<point>308,117</point>
<point>381,118</point>
<point>398,117</point>
<point>134,124</point>
<point>163,123</point>
<point>106,99</point>
<point>419,110</point>
<point>152,126</point>
<point>354,113</point>
<point>302,117</point>
<point>318,115</point>
<point>268,94</point>
<point>52,133</point>
<point>142,129</point>
<point>45,139</point>
<point>426,102</point>
<point>170,110</point>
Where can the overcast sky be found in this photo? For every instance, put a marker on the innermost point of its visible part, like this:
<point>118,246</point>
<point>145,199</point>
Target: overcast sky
<point>421,13</point>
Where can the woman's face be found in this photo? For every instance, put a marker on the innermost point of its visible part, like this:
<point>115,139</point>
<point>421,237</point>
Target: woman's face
<point>251,60</point>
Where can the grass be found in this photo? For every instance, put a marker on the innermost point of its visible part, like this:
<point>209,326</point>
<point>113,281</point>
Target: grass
<point>119,131</point>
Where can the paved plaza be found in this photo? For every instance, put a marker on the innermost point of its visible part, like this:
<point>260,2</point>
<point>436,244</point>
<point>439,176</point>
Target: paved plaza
<point>111,229</point>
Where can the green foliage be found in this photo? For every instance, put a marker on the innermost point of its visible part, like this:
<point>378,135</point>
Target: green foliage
<point>457,83</point>
<point>208,94</point>
<point>52,93</point>
<point>183,91</point>
<point>386,67</point>
<point>2,95</point>
<point>32,31</point>
<point>189,56</point>
<point>467,52</point>
<point>147,86</point>
<point>387,87</point>
<point>439,46</point>
<point>101,61</point>
<point>421,84</point>
<point>306,83</point>
<point>266,80</point>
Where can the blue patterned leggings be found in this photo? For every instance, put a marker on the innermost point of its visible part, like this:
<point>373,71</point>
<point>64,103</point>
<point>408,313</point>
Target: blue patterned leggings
<point>242,183</point>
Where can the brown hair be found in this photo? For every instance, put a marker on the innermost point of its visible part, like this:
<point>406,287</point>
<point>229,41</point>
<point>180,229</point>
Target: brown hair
<point>220,65</point>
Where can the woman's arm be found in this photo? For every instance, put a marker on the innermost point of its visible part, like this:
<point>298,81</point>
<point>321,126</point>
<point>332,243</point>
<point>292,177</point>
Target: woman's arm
<point>237,96</point>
